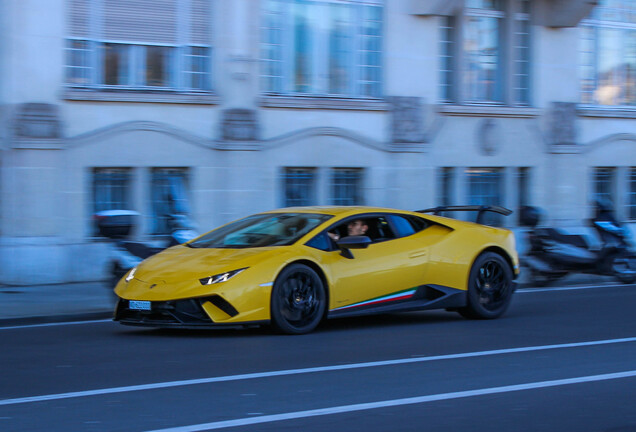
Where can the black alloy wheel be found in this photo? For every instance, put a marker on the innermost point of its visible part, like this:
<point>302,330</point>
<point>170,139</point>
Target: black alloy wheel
<point>489,287</point>
<point>298,300</point>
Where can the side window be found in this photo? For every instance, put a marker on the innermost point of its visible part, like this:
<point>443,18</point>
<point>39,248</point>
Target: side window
<point>406,225</point>
<point>321,242</point>
<point>377,228</point>
<point>380,230</point>
<point>402,226</point>
<point>418,223</point>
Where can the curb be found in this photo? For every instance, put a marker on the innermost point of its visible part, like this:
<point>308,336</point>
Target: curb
<point>108,313</point>
<point>53,319</point>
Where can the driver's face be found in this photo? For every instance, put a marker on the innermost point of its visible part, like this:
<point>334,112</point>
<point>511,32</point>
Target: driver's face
<point>357,228</point>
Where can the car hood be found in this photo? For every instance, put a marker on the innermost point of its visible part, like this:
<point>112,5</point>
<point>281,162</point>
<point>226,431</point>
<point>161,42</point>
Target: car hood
<point>180,262</point>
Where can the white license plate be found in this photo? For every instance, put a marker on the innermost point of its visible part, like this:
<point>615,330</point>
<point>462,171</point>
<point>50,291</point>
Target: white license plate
<point>139,305</point>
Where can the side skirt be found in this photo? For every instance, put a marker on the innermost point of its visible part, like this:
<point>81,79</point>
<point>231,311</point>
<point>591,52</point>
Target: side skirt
<point>424,297</point>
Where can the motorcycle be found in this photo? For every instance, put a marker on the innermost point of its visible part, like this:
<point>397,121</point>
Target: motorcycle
<point>117,226</point>
<point>554,254</point>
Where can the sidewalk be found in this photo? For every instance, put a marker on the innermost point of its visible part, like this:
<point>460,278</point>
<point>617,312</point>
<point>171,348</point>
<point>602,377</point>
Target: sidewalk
<point>23,305</point>
<point>34,304</point>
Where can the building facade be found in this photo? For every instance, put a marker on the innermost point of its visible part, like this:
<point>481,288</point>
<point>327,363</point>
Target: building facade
<point>235,107</point>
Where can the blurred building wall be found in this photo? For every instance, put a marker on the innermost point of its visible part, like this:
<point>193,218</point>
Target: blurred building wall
<point>237,143</point>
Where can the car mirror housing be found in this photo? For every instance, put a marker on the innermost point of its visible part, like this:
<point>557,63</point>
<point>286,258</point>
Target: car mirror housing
<point>352,242</point>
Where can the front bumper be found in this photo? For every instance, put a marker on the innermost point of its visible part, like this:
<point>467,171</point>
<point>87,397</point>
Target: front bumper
<point>186,313</point>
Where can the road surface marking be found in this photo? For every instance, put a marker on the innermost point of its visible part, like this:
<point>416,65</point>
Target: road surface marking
<point>55,324</point>
<point>394,402</point>
<point>240,377</point>
<point>573,288</point>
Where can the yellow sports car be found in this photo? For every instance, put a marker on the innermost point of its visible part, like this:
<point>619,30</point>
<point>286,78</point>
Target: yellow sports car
<point>295,267</point>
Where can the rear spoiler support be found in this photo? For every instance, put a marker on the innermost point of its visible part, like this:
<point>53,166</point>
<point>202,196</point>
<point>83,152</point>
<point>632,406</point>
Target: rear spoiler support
<point>478,208</point>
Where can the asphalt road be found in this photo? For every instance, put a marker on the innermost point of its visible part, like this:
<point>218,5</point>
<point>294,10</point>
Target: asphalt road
<point>559,360</point>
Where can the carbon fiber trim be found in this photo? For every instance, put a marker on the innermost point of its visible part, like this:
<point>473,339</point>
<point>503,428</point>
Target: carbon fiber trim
<point>425,297</point>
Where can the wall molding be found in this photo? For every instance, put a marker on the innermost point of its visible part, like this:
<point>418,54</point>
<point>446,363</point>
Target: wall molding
<point>346,134</point>
<point>607,140</point>
<point>602,112</point>
<point>106,132</point>
<point>135,126</point>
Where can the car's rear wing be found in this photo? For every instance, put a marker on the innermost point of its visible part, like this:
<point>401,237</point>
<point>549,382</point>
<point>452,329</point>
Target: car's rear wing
<point>482,209</point>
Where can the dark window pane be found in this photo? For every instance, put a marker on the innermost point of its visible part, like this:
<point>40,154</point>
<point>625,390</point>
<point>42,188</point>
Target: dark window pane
<point>632,194</point>
<point>111,189</point>
<point>604,184</point>
<point>116,64</point>
<point>158,66</point>
<point>299,185</point>
<point>169,192</point>
<point>346,186</point>
<point>485,187</point>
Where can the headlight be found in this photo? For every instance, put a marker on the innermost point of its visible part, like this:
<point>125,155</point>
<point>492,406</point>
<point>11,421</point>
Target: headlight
<point>221,277</point>
<point>131,274</point>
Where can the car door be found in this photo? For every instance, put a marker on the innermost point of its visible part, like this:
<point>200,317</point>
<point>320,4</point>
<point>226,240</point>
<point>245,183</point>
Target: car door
<point>389,265</point>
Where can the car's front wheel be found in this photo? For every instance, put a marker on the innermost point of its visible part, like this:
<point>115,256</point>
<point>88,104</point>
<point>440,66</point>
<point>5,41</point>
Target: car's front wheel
<point>489,287</point>
<point>298,300</point>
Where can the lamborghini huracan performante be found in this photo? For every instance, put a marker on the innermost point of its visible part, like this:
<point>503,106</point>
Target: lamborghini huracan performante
<point>294,267</point>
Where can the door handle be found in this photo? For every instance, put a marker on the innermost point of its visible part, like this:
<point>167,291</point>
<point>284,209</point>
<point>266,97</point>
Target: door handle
<point>418,254</point>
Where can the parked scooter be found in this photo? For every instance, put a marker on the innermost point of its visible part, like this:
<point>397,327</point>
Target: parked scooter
<point>553,254</point>
<point>117,225</point>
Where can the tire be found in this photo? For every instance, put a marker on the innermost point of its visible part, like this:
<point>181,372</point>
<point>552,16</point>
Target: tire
<point>624,268</point>
<point>298,300</point>
<point>489,287</point>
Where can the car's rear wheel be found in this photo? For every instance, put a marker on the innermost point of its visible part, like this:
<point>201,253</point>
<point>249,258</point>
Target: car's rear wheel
<point>298,300</point>
<point>489,287</point>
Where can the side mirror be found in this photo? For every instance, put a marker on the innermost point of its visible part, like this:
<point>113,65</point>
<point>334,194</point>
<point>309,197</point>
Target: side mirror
<point>352,242</point>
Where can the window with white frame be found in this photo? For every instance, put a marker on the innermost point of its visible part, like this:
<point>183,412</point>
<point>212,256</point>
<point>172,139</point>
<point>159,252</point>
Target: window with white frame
<point>446,188</point>
<point>631,201</point>
<point>299,187</point>
<point>346,186</point>
<point>140,45</point>
<point>485,53</point>
<point>485,187</point>
<point>169,191</point>
<point>604,185</point>
<point>303,186</point>
<point>523,189</point>
<point>608,54</point>
<point>322,48</point>
<point>111,189</point>
<point>446,185</point>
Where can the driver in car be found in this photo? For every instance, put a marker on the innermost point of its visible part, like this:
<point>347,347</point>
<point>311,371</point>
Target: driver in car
<point>356,227</point>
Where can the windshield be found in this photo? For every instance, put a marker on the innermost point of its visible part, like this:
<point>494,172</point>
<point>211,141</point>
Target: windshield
<point>274,229</point>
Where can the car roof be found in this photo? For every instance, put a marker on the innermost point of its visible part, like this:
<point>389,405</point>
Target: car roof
<point>338,210</point>
<point>342,212</point>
